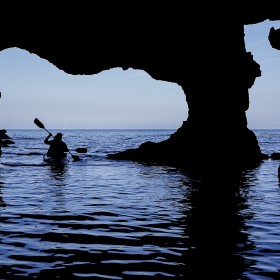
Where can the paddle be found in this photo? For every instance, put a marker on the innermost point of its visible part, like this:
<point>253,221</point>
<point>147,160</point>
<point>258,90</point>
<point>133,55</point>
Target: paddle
<point>78,150</point>
<point>75,158</point>
<point>81,150</point>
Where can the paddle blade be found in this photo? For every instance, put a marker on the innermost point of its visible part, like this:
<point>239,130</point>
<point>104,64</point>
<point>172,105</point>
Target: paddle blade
<point>38,123</point>
<point>81,150</point>
<point>75,158</point>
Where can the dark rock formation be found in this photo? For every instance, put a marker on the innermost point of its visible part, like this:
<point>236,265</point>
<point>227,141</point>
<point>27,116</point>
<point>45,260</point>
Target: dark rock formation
<point>274,38</point>
<point>203,53</point>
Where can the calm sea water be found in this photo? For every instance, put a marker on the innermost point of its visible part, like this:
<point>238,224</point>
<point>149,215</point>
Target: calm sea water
<point>105,219</point>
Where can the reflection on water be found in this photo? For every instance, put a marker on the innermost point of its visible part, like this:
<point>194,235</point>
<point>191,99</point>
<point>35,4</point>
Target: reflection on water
<point>154,232</point>
<point>105,219</point>
<point>209,233</point>
<point>2,202</point>
<point>217,230</point>
<point>58,171</point>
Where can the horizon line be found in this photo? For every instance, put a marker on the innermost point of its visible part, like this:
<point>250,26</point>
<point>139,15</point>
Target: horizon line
<point>120,128</point>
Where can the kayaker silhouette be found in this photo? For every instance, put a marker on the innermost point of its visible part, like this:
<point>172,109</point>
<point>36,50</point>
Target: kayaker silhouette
<point>78,150</point>
<point>58,149</point>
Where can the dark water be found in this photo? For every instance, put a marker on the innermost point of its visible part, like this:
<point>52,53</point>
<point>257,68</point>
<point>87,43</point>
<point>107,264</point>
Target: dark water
<point>104,219</point>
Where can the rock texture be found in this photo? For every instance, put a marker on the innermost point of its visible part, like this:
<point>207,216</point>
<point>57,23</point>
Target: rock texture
<point>202,51</point>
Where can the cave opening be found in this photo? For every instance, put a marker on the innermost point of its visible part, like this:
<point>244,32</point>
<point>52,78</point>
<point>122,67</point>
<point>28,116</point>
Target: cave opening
<point>113,99</point>
<point>263,112</point>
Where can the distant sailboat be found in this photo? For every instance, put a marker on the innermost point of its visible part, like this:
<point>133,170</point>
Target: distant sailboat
<point>65,127</point>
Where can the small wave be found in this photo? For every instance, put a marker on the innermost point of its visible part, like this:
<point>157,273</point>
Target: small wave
<point>29,154</point>
<point>8,146</point>
<point>23,164</point>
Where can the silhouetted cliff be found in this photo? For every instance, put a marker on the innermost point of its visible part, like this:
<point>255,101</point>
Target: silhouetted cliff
<point>203,53</point>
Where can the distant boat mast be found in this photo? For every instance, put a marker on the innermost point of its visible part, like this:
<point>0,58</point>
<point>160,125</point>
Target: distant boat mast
<point>65,127</point>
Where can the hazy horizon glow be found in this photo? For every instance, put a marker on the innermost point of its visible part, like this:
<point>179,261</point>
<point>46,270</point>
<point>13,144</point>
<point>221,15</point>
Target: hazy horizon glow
<point>33,88</point>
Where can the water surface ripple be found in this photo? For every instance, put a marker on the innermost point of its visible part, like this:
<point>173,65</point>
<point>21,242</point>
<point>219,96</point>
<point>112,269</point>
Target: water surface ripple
<point>104,219</point>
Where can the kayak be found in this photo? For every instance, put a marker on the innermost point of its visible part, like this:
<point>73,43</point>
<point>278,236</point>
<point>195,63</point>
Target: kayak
<point>55,161</point>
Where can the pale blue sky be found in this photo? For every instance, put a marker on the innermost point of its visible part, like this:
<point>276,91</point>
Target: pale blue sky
<point>264,110</point>
<point>33,88</point>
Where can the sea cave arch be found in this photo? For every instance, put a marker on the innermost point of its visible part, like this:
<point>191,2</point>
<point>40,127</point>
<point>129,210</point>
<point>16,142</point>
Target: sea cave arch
<point>208,61</point>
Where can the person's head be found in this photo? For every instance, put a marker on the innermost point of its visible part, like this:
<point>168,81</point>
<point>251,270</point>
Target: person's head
<point>58,136</point>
